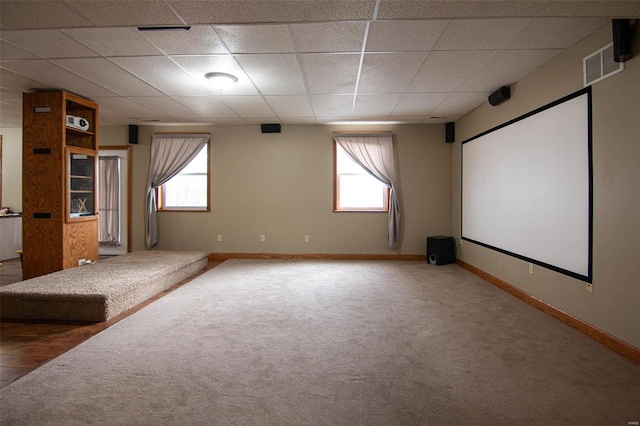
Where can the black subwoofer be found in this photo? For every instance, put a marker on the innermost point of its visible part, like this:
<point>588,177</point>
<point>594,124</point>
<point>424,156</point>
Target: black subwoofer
<point>440,250</point>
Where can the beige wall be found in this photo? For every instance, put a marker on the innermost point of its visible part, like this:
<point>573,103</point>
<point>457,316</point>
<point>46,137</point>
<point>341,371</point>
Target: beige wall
<point>281,185</point>
<point>12,168</point>
<point>615,304</point>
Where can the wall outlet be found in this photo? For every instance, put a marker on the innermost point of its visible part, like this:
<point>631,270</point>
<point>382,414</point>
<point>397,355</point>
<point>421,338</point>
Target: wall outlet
<point>531,268</point>
<point>263,238</point>
<point>306,238</point>
<point>589,288</point>
<point>219,238</point>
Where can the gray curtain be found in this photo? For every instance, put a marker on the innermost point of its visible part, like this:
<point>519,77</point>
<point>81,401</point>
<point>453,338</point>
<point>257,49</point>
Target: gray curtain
<point>170,153</point>
<point>109,200</point>
<point>374,153</point>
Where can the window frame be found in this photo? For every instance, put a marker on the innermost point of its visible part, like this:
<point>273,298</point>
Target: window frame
<point>336,191</point>
<point>160,192</point>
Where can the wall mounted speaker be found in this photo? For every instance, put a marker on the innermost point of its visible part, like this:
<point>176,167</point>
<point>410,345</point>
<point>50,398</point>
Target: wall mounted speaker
<point>622,33</point>
<point>500,95</point>
<point>450,132</point>
<point>440,250</point>
<point>133,134</point>
<point>270,128</point>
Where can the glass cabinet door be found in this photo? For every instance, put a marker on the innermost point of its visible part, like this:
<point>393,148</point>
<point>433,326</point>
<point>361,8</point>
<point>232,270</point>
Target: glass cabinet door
<point>81,198</point>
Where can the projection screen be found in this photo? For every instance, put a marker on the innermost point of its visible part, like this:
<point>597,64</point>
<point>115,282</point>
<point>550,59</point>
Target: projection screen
<point>527,187</point>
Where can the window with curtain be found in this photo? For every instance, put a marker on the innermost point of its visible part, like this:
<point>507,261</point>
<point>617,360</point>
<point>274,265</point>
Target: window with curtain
<point>355,188</point>
<point>189,189</point>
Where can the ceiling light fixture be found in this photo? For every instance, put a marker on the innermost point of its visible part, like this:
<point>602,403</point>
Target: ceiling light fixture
<point>221,80</point>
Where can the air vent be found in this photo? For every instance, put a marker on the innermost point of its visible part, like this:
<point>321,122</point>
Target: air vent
<point>600,65</point>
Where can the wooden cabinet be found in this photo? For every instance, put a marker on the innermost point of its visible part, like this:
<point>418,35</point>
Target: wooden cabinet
<point>59,170</point>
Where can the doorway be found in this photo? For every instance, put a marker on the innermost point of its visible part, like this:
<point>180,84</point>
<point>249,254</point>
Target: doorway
<point>114,192</point>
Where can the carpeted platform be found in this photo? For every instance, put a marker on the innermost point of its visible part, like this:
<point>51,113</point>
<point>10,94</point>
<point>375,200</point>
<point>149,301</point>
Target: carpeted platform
<point>99,291</point>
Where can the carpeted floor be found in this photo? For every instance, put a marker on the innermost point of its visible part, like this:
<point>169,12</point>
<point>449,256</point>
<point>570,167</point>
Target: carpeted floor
<point>291,342</point>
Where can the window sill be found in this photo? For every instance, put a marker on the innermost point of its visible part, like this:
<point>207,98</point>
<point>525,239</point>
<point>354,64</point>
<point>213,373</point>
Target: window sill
<point>184,209</point>
<point>359,211</point>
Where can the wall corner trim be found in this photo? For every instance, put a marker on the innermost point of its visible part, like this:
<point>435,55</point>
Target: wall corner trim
<point>607,340</point>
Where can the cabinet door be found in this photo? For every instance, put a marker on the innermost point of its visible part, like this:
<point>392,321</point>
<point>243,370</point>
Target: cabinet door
<point>81,185</point>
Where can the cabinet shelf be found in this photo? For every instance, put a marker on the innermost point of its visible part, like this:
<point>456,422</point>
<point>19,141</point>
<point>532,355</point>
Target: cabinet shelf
<point>79,131</point>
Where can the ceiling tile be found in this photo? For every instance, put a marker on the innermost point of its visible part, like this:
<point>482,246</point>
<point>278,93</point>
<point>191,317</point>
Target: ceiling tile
<point>458,104</point>
<point>332,105</point>
<point>274,74</point>
<point>298,120</point>
<point>555,33</point>
<point>404,36</point>
<point>290,106</point>
<point>47,43</point>
<point>127,107</point>
<point>206,106</point>
<point>11,108</point>
<point>18,83</point>
<point>6,94</point>
<point>375,105</point>
<point>444,71</point>
<point>389,72</point>
<point>418,103</point>
<point>161,73</point>
<point>203,11</point>
<point>328,36</point>
<point>163,105</point>
<point>108,75</point>
<point>40,14</point>
<point>330,74</point>
<point>9,51</point>
<point>505,68</point>
<point>479,34</point>
<point>51,75</point>
<point>105,13</point>
<point>197,66</point>
<point>255,38</point>
<point>262,120</point>
<point>440,120</point>
<point>114,41</point>
<point>199,40</point>
<point>248,106</point>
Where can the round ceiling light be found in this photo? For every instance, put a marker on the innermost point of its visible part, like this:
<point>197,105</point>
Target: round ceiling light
<point>221,80</point>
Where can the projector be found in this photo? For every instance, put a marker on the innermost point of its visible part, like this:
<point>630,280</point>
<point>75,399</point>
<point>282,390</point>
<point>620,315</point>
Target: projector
<point>77,122</point>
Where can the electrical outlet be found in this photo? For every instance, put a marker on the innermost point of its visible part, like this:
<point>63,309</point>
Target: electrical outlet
<point>219,238</point>
<point>531,268</point>
<point>589,288</point>
<point>306,238</point>
<point>263,238</point>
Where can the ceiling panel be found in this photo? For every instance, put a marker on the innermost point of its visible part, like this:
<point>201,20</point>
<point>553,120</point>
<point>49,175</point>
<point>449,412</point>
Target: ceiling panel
<point>554,33</point>
<point>375,105</point>
<point>198,66</point>
<point>127,107</point>
<point>108,75</point>
<point>199,40</point>
<point>274,74</point>
<point>328,37</point>
<point>481,34</point>
<point>255,38</point>
<point>47,43</point>
<point>163,105</point>
<point>105,13</point>
<point>418,103</point>
<point>459,104</point>
<point>332,105</point>
<point>114,41</point>
<point>389,72</point>
<point>330,74</point>
<point>10,51</point>
<point>248,106</point>
<point>290,106</point>
<point>207,106</point>
<point>445,71</point>
<point>404,36</point>
<point>40,14</point>
<point>18,83</point>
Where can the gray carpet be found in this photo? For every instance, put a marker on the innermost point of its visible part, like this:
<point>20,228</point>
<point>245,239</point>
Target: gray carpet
<point>292,342</point>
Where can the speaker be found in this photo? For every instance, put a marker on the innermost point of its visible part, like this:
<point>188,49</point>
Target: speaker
<point>440,250</point>
<point>133,134</point>
<point>450,132</point>
<point>270,128</point>
<point>500,95</point>
<point>622,34</point>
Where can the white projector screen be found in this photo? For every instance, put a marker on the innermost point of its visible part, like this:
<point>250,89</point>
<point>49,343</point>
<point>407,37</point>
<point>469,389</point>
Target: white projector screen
<point>527,187</point>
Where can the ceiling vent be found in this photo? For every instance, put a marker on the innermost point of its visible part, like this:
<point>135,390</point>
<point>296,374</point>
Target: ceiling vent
<point>600,65</point>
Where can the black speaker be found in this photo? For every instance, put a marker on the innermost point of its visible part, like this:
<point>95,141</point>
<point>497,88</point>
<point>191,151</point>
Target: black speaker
<point>270,128</point>
<point>450,132</point>
<point>440,250</point>
<point>133,134</point>
<point>622,34</point>
<point>500,95</point>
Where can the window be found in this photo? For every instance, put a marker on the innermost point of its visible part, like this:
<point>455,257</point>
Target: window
<point>355,189</point>
<point>189,189</point>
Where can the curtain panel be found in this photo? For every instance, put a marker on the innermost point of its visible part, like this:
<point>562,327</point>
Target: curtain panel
<point>170,153</point>
<point>109,200</point>
<point>374,153</point>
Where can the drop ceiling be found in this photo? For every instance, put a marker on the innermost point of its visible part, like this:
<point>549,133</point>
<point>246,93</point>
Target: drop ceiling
<point>297,62</point>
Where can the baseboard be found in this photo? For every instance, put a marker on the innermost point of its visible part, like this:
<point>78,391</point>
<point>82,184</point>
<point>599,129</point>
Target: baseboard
<point>611,342</point>
<point>325,256</point>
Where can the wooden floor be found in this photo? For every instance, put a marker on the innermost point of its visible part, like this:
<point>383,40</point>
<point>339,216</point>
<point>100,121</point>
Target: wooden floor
<point>26,345</point>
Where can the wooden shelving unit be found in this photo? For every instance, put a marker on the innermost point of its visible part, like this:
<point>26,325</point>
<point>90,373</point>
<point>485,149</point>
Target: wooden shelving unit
<point>59,167</point>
